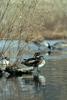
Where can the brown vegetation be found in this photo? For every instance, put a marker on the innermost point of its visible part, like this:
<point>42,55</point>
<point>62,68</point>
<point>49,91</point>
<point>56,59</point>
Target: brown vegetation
<point>33,19</point>
<point>36,36</point>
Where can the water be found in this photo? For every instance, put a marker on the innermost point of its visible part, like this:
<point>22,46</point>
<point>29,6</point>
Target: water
<point>54,72</point>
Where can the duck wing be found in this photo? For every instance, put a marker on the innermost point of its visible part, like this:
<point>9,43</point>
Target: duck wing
<point>29,62</point>
<point>30,59</point>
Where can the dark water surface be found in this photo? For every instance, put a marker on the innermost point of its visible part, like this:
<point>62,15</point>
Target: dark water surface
<point>55,73</point>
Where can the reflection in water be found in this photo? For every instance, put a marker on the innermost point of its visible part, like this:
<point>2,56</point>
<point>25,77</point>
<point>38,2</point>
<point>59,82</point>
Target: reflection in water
<point>17,88</point>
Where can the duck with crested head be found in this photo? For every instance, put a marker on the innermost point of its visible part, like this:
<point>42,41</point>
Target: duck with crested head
<point>36,61</point>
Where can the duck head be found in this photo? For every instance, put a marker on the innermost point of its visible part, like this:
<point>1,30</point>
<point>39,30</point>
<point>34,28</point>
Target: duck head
<point>6,58</point>
<point>37,54</point>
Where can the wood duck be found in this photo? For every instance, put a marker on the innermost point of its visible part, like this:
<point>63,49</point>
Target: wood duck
<point>36,61</point>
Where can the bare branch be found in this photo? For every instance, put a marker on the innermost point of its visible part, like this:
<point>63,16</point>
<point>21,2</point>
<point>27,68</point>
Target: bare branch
<point>5,11</point>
